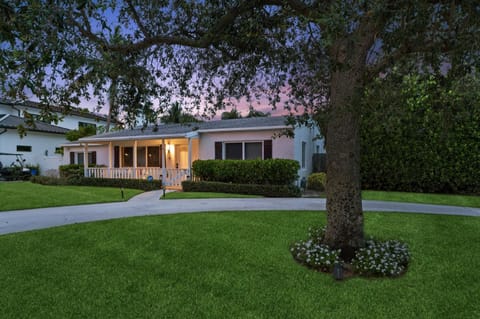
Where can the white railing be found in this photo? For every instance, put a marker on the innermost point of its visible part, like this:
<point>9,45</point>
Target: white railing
<point>173,177</point>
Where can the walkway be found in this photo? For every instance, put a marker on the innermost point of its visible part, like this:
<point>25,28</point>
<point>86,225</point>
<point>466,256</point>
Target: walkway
<point>149,204</point>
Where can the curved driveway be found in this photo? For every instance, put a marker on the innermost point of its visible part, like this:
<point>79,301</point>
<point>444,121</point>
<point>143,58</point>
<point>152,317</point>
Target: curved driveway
<point>149,204</point>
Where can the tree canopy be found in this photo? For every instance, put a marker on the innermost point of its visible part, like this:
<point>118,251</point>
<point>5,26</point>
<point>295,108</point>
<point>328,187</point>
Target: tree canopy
<point>312,55</point>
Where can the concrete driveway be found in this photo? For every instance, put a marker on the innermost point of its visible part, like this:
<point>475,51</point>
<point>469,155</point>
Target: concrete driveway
<point>149,204</point>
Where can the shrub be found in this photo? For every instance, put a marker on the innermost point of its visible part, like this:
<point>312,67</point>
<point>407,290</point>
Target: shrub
<point>317,181</point>
<point>75,170</point>
<point>271,171</point>
<point>100,182</point>
<point>388,259</point>
<point>247,189</point>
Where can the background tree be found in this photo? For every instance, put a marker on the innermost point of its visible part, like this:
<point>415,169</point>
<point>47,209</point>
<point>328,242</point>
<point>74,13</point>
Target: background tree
<point>175,114</point>
<point>255,113</point>
<point>319,55</point>
<point>232,114</point>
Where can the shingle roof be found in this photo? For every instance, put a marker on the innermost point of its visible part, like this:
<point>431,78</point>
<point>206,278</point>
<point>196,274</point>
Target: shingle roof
<point>178,130</point>
<point>73,111</point>
<point>12,122</point>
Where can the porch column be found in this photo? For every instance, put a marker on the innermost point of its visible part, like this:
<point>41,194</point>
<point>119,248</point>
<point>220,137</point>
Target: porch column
<point>85,160</point>
<point>110,156</point>
<point>164,170</point>
<point>135,158</point>
<point>190,158</point>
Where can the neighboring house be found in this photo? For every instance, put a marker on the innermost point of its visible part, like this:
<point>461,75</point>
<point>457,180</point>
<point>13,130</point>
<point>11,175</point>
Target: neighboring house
<point>167,151</point>
<point>42,143</point>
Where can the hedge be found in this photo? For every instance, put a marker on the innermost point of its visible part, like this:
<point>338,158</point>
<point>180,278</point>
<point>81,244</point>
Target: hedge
<point>100,182</point>
<point>317,181</point>
<point>271,171</point>
<point>247,189</point>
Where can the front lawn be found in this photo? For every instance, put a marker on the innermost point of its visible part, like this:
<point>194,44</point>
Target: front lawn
<point>26,195</point>
<point>423,198</point>
<point>232,265</point>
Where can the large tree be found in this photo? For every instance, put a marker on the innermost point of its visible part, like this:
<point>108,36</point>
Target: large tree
<point>314,55</point>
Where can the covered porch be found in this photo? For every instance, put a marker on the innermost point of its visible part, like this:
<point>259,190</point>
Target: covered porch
<point>167,159</point>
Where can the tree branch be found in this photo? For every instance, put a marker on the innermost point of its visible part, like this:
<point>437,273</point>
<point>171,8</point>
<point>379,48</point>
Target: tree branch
<point>137,20</point>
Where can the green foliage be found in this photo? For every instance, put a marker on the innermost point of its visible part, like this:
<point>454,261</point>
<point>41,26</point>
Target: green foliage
<point>175,114</point>
<point>100,182</point>
<point>71,170</point>
<point>271,171</point>
<point>422,134</point>
<point>247,189</point>
<point>83,131</point>
<point>317,181</point>
<point>231,115</point>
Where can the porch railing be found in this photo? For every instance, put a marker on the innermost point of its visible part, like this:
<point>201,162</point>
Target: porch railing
<point>173,177</point>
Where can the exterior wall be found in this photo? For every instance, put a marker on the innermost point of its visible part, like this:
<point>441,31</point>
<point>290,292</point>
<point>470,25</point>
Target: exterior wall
<point>309,136</point>
<point>281,146</point>
<point>102,153</point>
<point>43,148</point>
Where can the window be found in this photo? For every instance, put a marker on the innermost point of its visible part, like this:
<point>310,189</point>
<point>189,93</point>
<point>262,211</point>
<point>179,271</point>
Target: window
<point>153,159</point>
<point>243,150</point>
<point>92,158</point>
<point>253,150</point>
<point>141,153</point>
<point>128,157</point>
<point>304,150</point>
<point>24,148</point>
<point>233,151</point>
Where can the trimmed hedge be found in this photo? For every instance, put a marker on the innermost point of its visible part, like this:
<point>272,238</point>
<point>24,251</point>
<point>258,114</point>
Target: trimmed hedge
<point>271,171</point>
<point>100,182</point>
<point>247,189</point>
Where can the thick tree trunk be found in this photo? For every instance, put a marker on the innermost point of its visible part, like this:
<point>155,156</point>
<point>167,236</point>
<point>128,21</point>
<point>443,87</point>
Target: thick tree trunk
<point>344,202</point>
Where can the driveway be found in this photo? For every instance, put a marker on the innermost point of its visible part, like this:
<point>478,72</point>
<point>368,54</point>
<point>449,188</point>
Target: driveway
<point>149,204</point>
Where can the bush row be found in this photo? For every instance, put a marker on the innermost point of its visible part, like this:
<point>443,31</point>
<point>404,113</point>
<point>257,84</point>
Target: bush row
<point>271,171</point>
<point>101,182</point>
<point>247,189</point>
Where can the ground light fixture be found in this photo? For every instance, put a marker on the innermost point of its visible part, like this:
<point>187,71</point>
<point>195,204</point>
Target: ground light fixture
<point>338,271</point>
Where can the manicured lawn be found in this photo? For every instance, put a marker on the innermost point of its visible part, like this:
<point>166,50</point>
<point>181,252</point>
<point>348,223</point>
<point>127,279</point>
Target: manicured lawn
<point>422,198</point>
<point>231,265</point>
<point>25,195</point>
<point>200,195</point>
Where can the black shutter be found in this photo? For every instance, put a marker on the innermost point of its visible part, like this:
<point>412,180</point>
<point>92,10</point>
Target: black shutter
<point>72,157</point>
<point>116,156</point>
<point>267,149</point>
<point>94,158</point>
<point>218,150</point>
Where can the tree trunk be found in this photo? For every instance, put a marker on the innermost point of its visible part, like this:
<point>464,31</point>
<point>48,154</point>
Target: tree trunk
<point>344,202</point>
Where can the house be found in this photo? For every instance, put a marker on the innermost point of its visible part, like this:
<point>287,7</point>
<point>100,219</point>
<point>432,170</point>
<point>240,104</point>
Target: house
<point>167,151</point>
<point>42,144</point>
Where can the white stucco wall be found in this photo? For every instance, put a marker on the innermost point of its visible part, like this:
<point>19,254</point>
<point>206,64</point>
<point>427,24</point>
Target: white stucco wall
<point>309,135</point>
<point>281,146</point>
<point>43,148</point>
<point>102,153</point>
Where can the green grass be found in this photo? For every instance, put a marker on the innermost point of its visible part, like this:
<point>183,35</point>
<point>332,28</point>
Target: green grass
<point>202,195</point>
<point>26,195</point>
<point>422,198</point>
<point>232,265</point>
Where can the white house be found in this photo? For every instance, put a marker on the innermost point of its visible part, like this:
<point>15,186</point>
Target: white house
<point>167,151</point>
<point>42,143</point>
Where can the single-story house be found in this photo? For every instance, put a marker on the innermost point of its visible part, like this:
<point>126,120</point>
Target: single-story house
<point>166,151</point>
